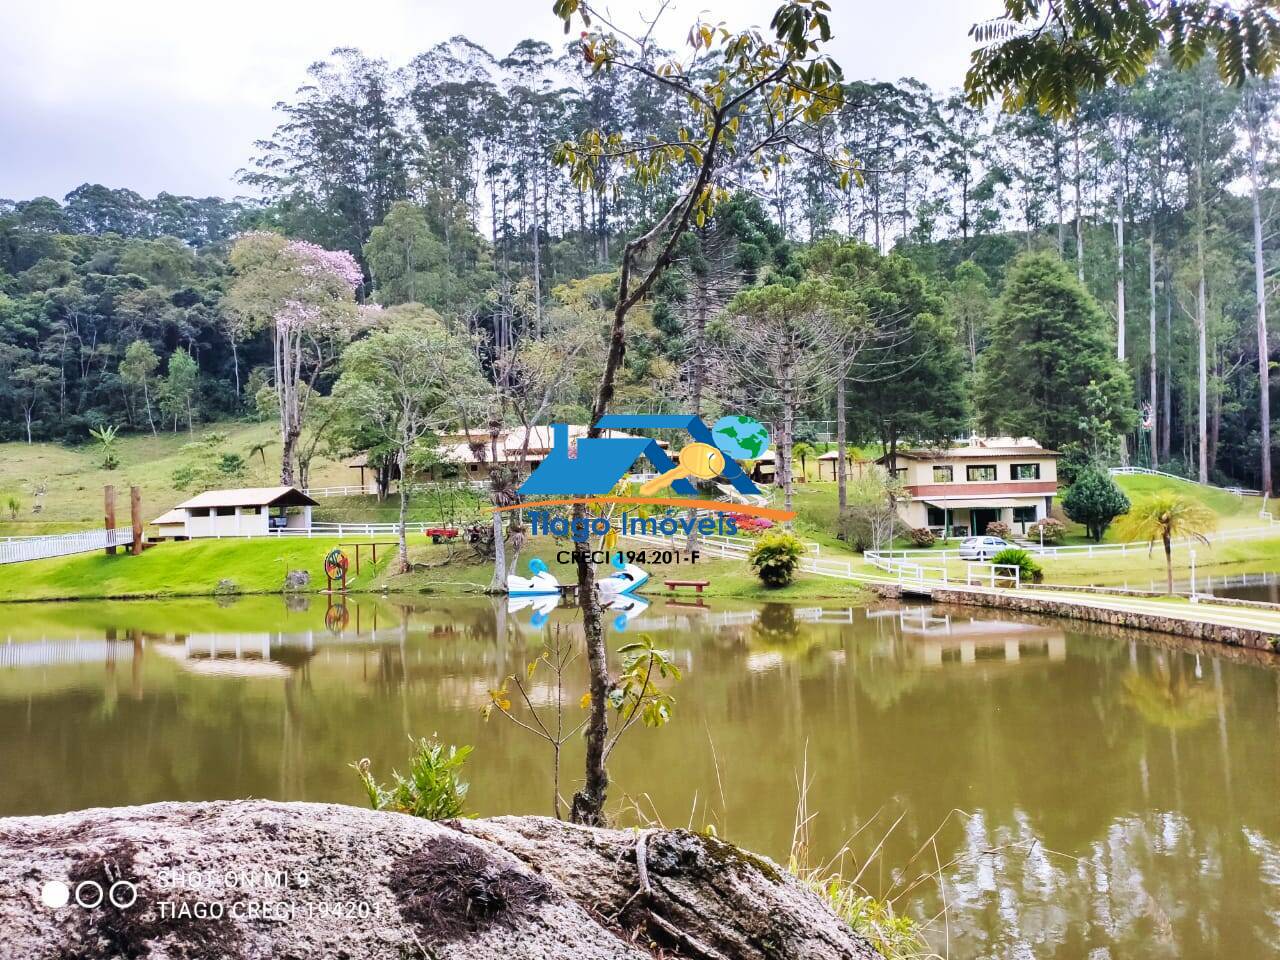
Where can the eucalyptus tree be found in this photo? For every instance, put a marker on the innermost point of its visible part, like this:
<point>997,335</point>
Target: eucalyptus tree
<point>339,159</point>
<point>1259,105</point>
<point>781,79</point>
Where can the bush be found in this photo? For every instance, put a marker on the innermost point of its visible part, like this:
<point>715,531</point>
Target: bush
<point>1094,500</point>
<point>1053,530</point>
<point>775,558</point>
<point>998,528</point>
<point>432,790</point>
<point>1017,557</point>
<point>922,537</point>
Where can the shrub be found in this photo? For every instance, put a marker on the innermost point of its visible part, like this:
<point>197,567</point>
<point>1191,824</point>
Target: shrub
<point>1094,500</point>
<point>775,558</point>
<point>922,537</point>
<point>432,790</point>
<point>998,528</point>
<point>1053,530</point>
<point>1030,571</point>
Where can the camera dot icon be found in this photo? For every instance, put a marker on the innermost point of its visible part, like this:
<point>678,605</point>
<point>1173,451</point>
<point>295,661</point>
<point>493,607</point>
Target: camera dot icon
<point>54,894</point>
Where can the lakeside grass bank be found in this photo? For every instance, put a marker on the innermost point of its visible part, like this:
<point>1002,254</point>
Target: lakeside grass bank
<point>259,566</point>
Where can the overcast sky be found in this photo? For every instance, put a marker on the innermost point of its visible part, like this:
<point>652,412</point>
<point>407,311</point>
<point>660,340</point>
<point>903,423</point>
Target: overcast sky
<point>170,95</point>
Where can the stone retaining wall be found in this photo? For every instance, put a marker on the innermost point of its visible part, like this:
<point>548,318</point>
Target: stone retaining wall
<point>1126,592</point>
<point>1198,630</point>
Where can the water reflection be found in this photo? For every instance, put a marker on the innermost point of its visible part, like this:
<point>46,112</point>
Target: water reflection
<point>1081,792</point>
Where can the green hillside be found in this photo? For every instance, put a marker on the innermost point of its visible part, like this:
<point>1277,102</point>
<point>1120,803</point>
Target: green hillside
<point>73,477</point>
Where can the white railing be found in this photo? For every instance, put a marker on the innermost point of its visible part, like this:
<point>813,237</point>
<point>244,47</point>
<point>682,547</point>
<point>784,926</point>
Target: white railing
<point>1082,549</point>
<point>1148,472</point>
<point>17,550</point>
<point>975,571</point>
<point>420,527</point>
<point>351,490</point>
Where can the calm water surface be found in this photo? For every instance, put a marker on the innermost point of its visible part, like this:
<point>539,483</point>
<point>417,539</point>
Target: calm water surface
<point>1090,794</point>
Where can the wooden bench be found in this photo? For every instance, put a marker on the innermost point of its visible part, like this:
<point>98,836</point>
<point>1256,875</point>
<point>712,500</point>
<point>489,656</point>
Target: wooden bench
<point>696,584</point>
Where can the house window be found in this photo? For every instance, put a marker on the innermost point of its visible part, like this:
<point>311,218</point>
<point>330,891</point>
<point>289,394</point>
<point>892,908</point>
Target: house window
<point>198,512</point>
<point>1026,471</point>
<point>937,516</point>
<point>1024,514</point>
<point>942,474</point>
<point>900,473</point>
<point>226,511</point>
<point>981,471</point>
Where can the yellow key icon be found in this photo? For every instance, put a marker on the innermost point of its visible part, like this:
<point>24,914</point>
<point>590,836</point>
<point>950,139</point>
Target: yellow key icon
<point>700,460</point>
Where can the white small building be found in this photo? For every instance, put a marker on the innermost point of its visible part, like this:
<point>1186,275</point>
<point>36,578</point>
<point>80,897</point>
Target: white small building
<point>251,512</point>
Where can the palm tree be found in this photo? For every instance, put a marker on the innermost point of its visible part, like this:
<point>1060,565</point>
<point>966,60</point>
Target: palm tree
<point>1167,517</point>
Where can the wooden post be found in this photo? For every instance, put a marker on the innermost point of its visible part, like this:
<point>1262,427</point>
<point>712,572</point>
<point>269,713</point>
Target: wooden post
<point>109,509</point>
<point>135,513</point>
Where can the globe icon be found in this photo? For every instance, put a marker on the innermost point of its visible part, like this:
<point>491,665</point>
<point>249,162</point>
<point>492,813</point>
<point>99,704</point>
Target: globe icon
<point>741,437</point>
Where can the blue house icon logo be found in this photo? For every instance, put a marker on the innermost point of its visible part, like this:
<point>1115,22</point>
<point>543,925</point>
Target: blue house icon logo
<point>602,461</point>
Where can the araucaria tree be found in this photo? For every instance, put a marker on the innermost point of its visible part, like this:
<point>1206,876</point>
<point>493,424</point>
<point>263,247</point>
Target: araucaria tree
<point>1049,341</point>
<point>402,382</point>
<point>782,341</point>
<point>306,296</point>
<point>747,94</point>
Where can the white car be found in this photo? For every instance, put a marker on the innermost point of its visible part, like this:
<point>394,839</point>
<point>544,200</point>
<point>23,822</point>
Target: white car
<point>982,548</point>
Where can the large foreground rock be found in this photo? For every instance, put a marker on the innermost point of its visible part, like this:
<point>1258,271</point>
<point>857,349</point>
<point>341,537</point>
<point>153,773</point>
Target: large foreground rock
<point>292,880</point>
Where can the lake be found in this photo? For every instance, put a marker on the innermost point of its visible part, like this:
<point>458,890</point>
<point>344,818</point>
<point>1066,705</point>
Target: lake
<point>1065,791</point>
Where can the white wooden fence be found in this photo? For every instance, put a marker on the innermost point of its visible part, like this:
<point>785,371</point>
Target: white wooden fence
<point>17,549</point>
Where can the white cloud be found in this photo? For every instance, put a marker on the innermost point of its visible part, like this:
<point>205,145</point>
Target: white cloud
<point>170,96</point>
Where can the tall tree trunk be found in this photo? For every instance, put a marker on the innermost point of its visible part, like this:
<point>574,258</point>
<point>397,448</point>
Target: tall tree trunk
<point>788,423</point>
<point>235,363</point>
<point>1120,317</point>
<point>537,259</point>
<point>1260,296</point>
<point>1202,321</point>
<point>1154,399</point>
<point>701,309</point>
<point>1079,209</point>
<point>1166,441</point>
<point>146,399</point>
<point>1057,187</point>
<point>498,583</point>
<point>402,557</point>
<point>842,479</point>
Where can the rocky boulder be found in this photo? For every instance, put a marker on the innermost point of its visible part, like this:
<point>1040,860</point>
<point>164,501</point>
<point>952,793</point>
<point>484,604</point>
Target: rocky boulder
<point>296,580</point>
<point>257,879</point>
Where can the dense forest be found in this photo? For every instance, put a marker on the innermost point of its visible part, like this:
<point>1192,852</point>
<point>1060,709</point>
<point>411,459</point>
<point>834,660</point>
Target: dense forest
<point>1016,272</point>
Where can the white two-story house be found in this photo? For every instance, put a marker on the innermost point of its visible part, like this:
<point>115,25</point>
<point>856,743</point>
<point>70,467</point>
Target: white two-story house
<point>984,479</point>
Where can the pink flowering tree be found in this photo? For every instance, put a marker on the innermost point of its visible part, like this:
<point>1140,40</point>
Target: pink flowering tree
<point>306,296</point>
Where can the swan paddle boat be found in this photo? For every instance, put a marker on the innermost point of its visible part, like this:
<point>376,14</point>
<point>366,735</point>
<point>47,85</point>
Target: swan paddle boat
<point>542,583</point>
<point>627,578</point>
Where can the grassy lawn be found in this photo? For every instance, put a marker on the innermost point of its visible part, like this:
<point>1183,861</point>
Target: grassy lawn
<point>174,569</point>
<point>193,569</point>
<point>727,578</point>
<point>74,478</point>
